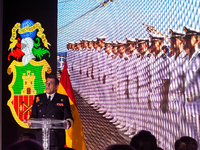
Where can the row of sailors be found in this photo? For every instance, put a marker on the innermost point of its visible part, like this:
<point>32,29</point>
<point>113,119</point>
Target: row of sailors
<point>137,85</point>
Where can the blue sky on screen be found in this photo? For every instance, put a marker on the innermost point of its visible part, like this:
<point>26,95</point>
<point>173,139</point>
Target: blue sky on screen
<point>78,19</point>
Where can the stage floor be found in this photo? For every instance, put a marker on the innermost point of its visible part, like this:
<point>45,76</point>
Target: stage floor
<point>98,131</point>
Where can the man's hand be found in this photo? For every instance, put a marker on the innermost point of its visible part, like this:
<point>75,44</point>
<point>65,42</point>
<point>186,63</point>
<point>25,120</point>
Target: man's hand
<point>92,76</point>
<point>164,103</point>
<point>149,103</point>
<point>66,124</point>
<point>164,106</point>
<point>138,99</point>
<point>104,79</point>
<point>28,122</point>
<point>127,93</point>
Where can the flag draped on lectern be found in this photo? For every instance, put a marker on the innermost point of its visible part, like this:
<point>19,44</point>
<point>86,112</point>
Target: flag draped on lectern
<point>74,135</point>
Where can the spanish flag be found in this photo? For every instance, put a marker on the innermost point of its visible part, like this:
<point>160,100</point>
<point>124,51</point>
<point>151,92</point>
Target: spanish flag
<point>74,135</point>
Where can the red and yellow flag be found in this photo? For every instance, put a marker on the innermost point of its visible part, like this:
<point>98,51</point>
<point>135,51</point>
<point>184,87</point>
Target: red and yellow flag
<point>74,135</point>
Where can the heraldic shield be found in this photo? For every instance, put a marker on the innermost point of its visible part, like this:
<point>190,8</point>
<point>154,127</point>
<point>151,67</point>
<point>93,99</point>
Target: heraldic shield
<point>28,43</point>
<point>28,80</point>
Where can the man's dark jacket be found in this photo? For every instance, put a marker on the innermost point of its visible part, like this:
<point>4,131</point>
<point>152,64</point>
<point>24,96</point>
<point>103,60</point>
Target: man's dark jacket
<point>58,108</point>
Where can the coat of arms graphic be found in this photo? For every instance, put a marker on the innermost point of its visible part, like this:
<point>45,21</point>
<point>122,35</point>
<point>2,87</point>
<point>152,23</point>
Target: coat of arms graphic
<point>28,74</point>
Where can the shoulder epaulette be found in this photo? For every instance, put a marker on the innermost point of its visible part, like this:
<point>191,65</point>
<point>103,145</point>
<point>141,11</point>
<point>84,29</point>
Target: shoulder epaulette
<point>126,58</point>
<point>149,55</point>
<point>138,55</point>
<point>164,56</point>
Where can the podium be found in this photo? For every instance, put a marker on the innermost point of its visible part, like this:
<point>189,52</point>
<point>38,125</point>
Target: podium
<point>46,124</point>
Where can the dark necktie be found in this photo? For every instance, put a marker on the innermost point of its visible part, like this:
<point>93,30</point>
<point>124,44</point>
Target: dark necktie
<point>49,99</point>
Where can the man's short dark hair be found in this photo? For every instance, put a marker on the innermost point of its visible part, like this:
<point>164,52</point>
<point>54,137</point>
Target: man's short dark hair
<point>53,77</point>
<point>120,147</point>
<point>27,135</point>
<point>144,140</point>
<point>26,144</point>
<point>186,143</point>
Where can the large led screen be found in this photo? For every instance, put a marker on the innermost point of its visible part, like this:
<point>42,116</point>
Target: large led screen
<point>136,61</point>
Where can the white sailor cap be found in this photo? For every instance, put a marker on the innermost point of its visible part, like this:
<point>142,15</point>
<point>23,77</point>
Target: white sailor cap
<point>190,31</point>
<point>176,33</point>
<point>101,38</point>
<point>142,40</point>
<point>156,37</point>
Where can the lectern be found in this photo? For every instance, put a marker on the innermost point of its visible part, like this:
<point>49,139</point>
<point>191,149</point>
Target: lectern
<point>46,124</point>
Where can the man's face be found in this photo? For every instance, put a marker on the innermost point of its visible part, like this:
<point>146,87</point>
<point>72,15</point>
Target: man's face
<point>131,47</point>
<point>114,50</point>
<point>73,46</point>
<point>157,45</point>
<point>85,44</point>
<point>108,49</point>
<point>178,45</point>
<point>100,43</point>
<point>50,86</point>
<point>143,48</point>
<point>193,41</point>
<point>68,47</point>
<point>96,46</point>
<point>90,45</point>
<point>198,38</point>
<point>189,42</point>
<point>78,46</point>
<point>122,49</point>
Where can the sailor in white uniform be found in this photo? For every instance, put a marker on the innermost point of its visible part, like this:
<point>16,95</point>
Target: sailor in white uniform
<point>95,75</point>
<point>159,86</point>
<point>176,87</point>
<point>69,51</point>
<point>131,71</point>
<point>192,81</point>
<point>101,58</point>
<point>114,81</point>
<point>91,95</point>
<point>77,64</point>
<point>108,81</point>
<point>143,76</point>
<point>75,61</point>
<point>84,69</point>
<point>122,85</point>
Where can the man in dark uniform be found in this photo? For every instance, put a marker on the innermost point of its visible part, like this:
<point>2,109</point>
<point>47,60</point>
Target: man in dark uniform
<point>54,106</point>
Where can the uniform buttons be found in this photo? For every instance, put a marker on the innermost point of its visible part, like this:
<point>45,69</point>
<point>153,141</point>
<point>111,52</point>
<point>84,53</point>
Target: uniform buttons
<point>52,115</point>
<point>43,115</point>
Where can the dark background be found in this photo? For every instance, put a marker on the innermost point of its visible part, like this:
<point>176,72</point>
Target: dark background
<point>14,11</point>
